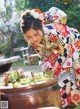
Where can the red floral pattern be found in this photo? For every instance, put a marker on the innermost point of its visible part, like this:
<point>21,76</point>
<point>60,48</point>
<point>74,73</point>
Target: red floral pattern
<point>75,96</point>
<point>69,98</point>
<point>62,29</point>
<point>37,11</point>
<point>51,58</point>
<point>78,71</point>
<point>77,44</point>
<point>53,38</point>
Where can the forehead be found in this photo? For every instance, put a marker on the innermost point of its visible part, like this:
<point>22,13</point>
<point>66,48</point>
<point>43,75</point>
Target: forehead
<point>30,32</point>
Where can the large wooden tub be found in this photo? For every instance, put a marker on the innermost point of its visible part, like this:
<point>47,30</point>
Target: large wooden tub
<point>33,97</point>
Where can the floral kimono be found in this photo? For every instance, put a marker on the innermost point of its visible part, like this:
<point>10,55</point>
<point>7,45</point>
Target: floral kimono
<point>61,53</point>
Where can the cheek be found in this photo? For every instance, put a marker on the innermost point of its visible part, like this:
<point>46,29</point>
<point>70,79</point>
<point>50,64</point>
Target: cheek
<point>40,33</point>
<point>27,40</point>
<point>39,38</point>
<point>30,41</point>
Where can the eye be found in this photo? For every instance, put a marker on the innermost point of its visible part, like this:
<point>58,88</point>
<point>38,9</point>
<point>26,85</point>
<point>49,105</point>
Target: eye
<point>29,37</point>
<point>36,34</point>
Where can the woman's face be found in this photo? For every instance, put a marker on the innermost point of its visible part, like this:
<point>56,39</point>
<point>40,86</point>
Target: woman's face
<point>33,36</point>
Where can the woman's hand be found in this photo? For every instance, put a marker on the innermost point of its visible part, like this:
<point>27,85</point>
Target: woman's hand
<point>49,72</point>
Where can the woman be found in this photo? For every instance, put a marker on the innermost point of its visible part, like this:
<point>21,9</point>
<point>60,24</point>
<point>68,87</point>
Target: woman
<point>58,46</point>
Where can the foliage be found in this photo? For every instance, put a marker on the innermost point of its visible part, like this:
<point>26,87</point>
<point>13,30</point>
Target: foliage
<point>20,5</point>
<point>2,47</point>
<point>8,11</point>
<point>71,7</point>
<point>74,16</point>
<point>44,5</point>
<point>10,33</point>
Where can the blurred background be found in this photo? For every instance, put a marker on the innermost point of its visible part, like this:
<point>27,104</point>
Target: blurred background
<point>11,38</point>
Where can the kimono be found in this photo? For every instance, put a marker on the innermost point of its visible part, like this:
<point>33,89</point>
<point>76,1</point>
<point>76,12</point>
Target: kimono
<point>61,53</point>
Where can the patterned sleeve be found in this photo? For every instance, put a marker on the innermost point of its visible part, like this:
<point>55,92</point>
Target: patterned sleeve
<point>63,43</point>
<point>68,41</point>
<point>75,38</point>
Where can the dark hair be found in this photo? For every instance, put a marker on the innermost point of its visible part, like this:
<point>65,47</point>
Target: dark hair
<point>29,21</point>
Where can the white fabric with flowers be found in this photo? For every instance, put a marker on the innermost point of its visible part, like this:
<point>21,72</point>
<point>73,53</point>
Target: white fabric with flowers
<point>61,53</point>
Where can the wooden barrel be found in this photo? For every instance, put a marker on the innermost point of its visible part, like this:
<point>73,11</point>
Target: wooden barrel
<point>49,107</point>
<point>33,96</point>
